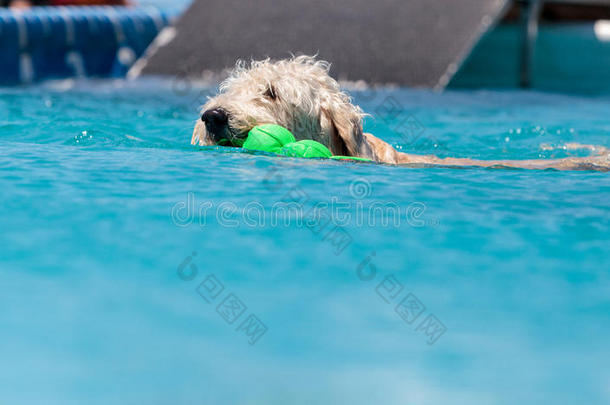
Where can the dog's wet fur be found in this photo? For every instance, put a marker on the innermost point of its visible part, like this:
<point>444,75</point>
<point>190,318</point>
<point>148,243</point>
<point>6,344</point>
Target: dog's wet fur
<point>300,95</point>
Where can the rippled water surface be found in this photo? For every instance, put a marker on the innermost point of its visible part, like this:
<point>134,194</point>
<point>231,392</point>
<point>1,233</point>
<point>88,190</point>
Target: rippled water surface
<point>110,222</point>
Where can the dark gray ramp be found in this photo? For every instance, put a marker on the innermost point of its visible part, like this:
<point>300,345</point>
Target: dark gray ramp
<point>407,42</point>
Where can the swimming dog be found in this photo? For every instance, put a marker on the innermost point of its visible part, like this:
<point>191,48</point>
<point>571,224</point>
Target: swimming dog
<point>300,95</point>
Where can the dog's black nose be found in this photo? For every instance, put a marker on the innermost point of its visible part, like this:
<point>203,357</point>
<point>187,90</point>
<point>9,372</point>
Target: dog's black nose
<point>217,116</point>
<point>216,122</point>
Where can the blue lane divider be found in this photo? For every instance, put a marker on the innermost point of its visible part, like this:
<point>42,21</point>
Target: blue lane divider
<point>59,42</point>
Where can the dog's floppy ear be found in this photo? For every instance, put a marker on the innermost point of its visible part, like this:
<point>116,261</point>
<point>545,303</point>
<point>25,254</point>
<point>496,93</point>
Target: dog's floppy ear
<point>336,144</point>
<point>345,123</point>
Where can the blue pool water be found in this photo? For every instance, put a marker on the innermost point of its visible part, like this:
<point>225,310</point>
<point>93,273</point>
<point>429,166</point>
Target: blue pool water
<point>181,4</point>
<point>104,203</point>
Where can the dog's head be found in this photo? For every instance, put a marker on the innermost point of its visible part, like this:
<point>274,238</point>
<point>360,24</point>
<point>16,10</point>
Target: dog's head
<point>297,94</point>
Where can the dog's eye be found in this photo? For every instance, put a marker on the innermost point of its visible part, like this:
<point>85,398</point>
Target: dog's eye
<point>270,93</point>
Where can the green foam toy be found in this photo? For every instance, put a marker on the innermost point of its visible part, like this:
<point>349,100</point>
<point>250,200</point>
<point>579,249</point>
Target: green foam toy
<point>268,138</point>
<point>277,139</point>
<point>306,149</point>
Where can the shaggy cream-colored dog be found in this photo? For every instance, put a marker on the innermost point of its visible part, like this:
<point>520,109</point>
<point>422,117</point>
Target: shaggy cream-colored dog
<point>299,94</point>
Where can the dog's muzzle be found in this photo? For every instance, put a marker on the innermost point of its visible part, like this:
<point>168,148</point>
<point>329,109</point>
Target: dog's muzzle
<point>217,124</point>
